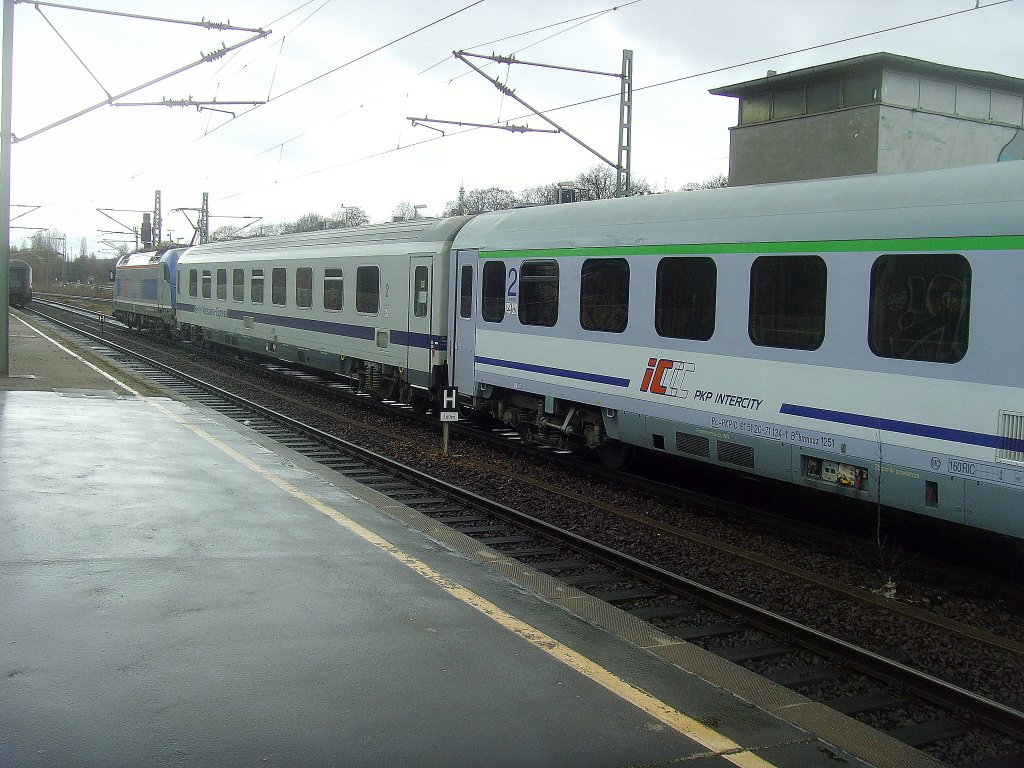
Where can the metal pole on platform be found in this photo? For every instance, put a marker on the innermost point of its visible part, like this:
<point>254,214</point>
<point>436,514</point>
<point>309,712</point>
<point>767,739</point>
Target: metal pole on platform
<point>6,140</point>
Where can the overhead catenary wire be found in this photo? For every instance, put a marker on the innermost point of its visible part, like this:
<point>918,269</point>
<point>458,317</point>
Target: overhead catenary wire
<point>650,86</point>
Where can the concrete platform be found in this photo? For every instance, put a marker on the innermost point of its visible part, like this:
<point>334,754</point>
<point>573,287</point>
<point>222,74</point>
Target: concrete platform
<point>177,590</point>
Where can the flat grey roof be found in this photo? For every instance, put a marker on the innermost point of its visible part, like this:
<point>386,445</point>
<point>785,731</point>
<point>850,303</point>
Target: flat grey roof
<point>870,62</point>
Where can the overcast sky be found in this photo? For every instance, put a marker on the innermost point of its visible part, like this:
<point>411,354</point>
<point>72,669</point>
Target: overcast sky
<point>345,140</point>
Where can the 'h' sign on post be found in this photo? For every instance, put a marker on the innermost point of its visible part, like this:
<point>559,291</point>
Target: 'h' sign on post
<point>449,411</point>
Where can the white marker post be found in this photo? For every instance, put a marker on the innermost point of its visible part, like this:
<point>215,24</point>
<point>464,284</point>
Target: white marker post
<point>449,412</point>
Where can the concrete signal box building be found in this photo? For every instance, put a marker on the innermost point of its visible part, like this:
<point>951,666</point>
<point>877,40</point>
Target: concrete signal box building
<point>879,113</point>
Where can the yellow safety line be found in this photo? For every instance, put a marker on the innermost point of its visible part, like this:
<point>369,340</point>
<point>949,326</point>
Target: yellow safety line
<point>717,743</point>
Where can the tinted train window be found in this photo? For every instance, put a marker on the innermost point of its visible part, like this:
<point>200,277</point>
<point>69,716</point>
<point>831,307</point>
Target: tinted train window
<point>256,287</point>
<point>604,295</point>
<point>222,284</point>
<point>304,287</point>
<point>238,284</point>
<point>207,284</point>
<point>279,286</point>
<point>368,290</point>
<point>419,301</point>
<point>787,302</point>
<point>684,304</point>
<point>492,297</point>
<point>920,307</point>
<point>193,283</point>
<point>538,294</point>
<point>466,293</point>
<point>334,289</point>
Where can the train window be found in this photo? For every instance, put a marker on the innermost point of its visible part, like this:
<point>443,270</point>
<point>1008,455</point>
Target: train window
<point>304,287</point>
<point>193,283</point>
<point>466,292</point>
<point>920,307</point>
<point>368,290</point>
<point>279,286</point>
<point>334,289</point>
<point>207,284</point>
<point>604,295</point>
<point>492,297</point>
<point>538,296</point>
<point>686,293</point>
<point>256,287</point>
<point>419,302</point>
<point>787,301</point>
<point>222,284</point>
<point>238,284</point>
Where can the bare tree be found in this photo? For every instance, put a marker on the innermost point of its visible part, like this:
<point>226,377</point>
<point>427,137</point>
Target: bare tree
<point>309,222</point>
<point>404,211</point>
<point>477,200</point>
<point>349,216</point>
<point>227,232</point>
<point>717,181</point>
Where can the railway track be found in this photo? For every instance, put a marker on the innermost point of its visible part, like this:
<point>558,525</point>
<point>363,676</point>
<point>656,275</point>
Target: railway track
<point>912,705</point>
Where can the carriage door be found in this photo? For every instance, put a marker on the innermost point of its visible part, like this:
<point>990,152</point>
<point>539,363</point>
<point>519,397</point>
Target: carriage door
<point>420,291</point>
<point>462,340</point>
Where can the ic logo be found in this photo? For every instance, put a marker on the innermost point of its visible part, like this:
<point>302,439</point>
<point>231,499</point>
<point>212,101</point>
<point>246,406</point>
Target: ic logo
<point>665,377</point>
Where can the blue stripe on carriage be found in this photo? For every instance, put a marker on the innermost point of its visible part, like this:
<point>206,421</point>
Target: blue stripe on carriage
<point>366,333</point>
<point>906,427</point>
<point>560,372</point>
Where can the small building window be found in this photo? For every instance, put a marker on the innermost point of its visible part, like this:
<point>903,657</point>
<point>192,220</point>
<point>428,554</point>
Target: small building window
<point>193,283</point>
<point>207,284</point>
<point>788,104</point>
<point>920,307</point>
<point>492,296</point>
<point>787,302</point>
<point>755,109</point>
<point>238,284</point>
<point>861,89</point>
<point>538,296</point>
<point>421,293</point>
<point>604,295</point>
<point>466,292</point>
<point>256,287</point>
<point>279,286</point>
<point>334,289</point>
<point>368,290</point>
<point>222,284</point>
<point>685,297</point>
<point>304,287</point>
<point>822,97</point>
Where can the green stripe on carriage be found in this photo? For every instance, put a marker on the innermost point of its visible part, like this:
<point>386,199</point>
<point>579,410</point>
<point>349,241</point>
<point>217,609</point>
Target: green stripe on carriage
<point>986,243</point>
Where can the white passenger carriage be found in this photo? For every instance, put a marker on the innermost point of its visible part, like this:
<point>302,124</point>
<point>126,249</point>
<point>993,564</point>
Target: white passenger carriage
<point>368,302</point>
<point>144,289</point>
<point>859,335</point>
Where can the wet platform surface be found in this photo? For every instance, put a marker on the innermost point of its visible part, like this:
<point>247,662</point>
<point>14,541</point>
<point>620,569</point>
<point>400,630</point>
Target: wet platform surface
<point>175,590</point>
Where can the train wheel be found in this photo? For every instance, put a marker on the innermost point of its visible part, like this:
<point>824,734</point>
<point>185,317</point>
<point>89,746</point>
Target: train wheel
<point>616,455</point>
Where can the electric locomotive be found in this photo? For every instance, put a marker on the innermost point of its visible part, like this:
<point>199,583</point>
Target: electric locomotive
<point>144,289</point>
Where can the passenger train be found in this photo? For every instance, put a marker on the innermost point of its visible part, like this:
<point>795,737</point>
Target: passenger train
<point>19,285</point>
<point>858,335</point>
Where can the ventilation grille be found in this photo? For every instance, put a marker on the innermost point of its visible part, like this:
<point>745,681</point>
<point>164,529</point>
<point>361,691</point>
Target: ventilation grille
<point>695,445</point>
<point>1011,437</point>
<point>740,455</point>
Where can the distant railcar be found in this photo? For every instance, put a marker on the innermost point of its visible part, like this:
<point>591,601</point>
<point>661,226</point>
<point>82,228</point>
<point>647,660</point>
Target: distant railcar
<point>20,283</point>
